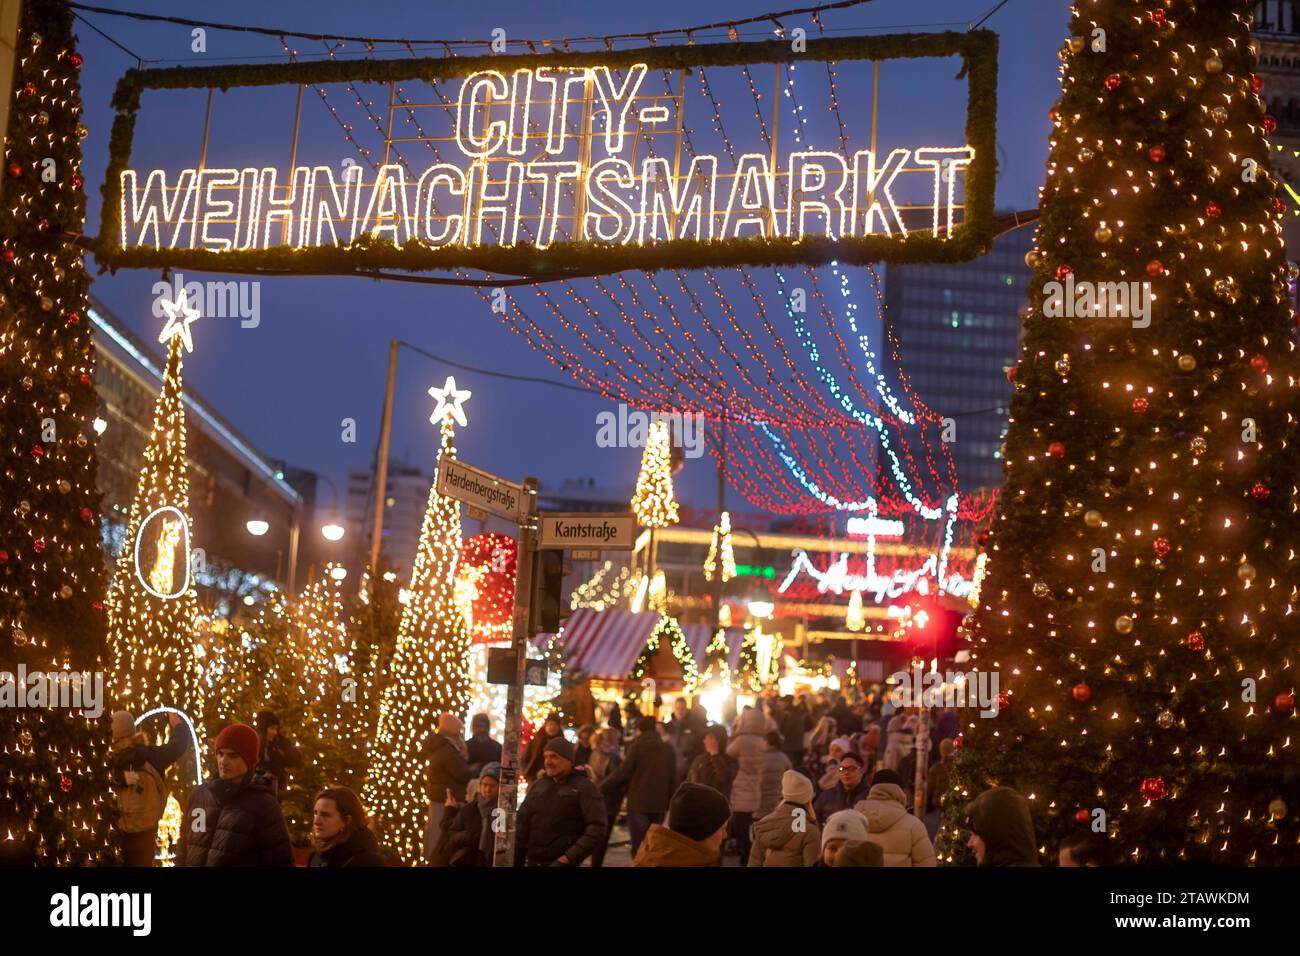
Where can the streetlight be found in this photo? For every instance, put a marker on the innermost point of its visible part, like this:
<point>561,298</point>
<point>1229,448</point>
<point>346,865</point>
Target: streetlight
<point>333,531</point>
<point>257,527</point>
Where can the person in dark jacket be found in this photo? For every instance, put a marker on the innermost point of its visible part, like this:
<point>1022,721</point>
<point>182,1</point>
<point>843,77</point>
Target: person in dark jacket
<point>1002,830</point>
<point>131,753</point>
<point>279,755</point>
<point>605,759</point>
<point>582,751</point>
<point>447,774</point>
<point>531,763</point>
<point>481,749</point>
<point>686,730</point>
<point>467,837</point>
<point>714,767</point>
<point>340,831</point>
<point>650,769</point>
<point>851,789</point>
<point>234,819</point>
<point>792,724</point>
<point>563,817</point>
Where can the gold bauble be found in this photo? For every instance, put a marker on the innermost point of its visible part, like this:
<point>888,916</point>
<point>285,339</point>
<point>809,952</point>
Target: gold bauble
<point>1092,518</point>
<point>1124,624</point>
<point>1186,363</point>
<point>1246,572</point>
<point>1214,65</point>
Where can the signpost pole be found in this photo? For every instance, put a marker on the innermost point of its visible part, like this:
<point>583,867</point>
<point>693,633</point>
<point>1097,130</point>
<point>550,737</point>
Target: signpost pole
<point>503,823</point>
<point>381,464</point>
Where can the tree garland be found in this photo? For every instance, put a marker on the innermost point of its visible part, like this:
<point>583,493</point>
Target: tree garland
<point>974,237</point>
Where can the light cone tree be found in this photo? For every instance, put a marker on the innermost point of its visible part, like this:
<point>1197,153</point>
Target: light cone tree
<point>1139,604</point>
<point>429,672</point>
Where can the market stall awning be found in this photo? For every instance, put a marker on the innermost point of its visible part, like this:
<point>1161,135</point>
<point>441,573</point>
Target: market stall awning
<point>698,637</point>
<point>605,644</point>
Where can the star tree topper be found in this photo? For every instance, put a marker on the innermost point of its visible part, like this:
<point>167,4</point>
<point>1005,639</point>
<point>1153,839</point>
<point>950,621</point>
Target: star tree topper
<point>450,402</point>
<point>180,316</point>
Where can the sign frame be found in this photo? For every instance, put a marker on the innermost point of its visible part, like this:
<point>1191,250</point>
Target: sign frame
<point>551,543</point>
<point>972,238</point>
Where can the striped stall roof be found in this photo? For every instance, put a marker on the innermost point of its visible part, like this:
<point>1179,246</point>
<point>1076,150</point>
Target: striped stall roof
<point>605,644</point>
<point>699,635</point>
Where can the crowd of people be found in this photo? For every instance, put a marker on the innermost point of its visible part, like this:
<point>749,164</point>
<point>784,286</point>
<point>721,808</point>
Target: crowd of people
<point>807,781</point>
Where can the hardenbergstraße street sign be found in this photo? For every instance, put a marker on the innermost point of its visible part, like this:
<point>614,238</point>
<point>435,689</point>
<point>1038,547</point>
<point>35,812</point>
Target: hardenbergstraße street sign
<point>482,489</point>
<point>606,531</point>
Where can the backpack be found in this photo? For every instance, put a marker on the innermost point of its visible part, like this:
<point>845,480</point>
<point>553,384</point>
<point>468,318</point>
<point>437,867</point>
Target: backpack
<point>142,803</point>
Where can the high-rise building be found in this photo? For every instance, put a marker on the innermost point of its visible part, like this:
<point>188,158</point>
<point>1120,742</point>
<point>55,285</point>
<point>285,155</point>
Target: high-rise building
<point>1277,31</point>
<point>958,327</point>
<point>405,499</point>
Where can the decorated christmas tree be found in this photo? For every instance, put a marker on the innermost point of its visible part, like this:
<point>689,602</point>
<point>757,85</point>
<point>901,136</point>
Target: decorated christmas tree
<point>653,502</point>
<point>55,804</point>
<point>152,608</point>
<point>429,673</point>
<point>1139,603</point>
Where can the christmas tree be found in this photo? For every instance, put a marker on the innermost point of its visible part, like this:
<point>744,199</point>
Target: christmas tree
<point>653,502</point>
<point>1142,577</point>
<point>55,804</point>
<point>429,673</point>
<point>152,608</point>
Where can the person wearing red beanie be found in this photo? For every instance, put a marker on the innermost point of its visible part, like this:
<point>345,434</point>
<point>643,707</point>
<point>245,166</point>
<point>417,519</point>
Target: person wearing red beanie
<point>234,819</point>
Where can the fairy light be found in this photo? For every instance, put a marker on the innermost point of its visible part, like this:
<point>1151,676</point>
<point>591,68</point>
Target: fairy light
<point>652,501</point>
<point>720,551</point>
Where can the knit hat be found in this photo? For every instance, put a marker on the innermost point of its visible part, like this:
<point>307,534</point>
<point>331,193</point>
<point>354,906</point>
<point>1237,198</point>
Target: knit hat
<point>863,853</point>
<point>123,724</point>
<point>842,743</point>
<point>242,739</point>
<point>558,745</point>
<point>645,724</point>
<point>845,825</point>
<point>796,788</point>
<point>697,811</point>
<point>885,775</point>
<point>450,725</point>
<point>492,770</point>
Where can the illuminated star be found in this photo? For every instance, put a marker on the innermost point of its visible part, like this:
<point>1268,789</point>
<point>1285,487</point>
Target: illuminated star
<point>450,399</point>
<point>179,319</point>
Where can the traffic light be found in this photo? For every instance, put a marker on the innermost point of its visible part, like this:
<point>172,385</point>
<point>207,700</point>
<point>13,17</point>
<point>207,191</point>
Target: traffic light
<point>548,595</point>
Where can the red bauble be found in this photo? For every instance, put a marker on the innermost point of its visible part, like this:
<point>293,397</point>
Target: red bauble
<point>15,170</point>
<point>1063,271</point>
<point>1213,210</point>
<point>1153,788</point>
<point>1082,816</point>
<point>97,605</point>
<point>43,224</point>
<point>85,379</point>
<point>10,255</point>
<point>1054,115</point>
<point>1257,83</point>
<point>983,537</point>
<point>1196,641</point>
<point>38,452</point>
<point>74,317</point>
<point>1279,205</point>
<point>1260,491</point>
<point>65,782</point>
<point>39,545</point>
<point>1140,405</point>
<point>1113,81</point>
<point>87,515</point>
<point>1284,702</point>
<point>29,88</point>
<point>1003,701</point>
<point>77,181</point>
<point>1157,153</point>
<point>1081,692</point>
<point>1155,268</point>
<point>1159,18</point>
<point>1011,373</point>
<point>1161,546</point>
<point>1270,124</point>
<point>956,742</point>
<point>76,60</point>
<point>1259,363</point>
<point>1056,449</point>
<point>4,556</point>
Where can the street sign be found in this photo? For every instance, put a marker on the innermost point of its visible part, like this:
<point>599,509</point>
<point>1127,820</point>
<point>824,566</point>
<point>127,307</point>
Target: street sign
<point>483,490</point>
<point>609,531</point>
<point>584,555</point>
<point>501,668</point>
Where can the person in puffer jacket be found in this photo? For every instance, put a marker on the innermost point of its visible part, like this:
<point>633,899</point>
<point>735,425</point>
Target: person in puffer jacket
<point>789,835</point>
<point>747,747</point>
<point>239,810</point>
<point>902,836</point>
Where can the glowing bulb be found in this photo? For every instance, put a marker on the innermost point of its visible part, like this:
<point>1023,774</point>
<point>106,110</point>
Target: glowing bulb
<point>257,527</point>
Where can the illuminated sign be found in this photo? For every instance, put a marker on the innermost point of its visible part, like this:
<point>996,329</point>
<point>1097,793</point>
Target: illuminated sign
<point>583,153</point>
